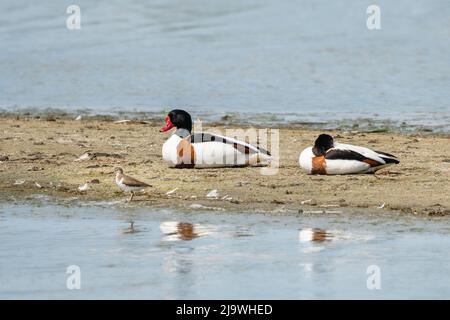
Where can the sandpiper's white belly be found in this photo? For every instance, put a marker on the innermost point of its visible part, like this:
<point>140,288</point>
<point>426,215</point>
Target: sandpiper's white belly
<point>126,188</point>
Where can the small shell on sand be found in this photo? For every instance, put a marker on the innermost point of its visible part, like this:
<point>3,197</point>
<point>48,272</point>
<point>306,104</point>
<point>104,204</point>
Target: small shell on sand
<point>84,156</point>
<point>213,194</point>
<point>171,191</point>
<point>84,187</point>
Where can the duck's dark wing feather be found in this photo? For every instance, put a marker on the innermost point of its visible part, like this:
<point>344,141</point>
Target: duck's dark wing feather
<point>339,154</point>
<point>389,158</point>
<point>239,145</point>
<point>132,182</point>
<point>351,152</point>
<point>342,154</point>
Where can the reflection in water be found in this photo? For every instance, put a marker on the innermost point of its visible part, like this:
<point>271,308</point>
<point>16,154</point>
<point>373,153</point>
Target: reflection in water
<point>175,230</point>
<point>315,235</point>
<point>186,231</point>
<point>315,240</point>
<point>130,229</point>
<point>223,264</point>
<point>179,260</point>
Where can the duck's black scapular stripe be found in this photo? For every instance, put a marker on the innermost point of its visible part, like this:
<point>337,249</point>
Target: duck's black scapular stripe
<point>337,154</point>
<point>208,137</point>
<point>353,155</point>
<point>205,137</point>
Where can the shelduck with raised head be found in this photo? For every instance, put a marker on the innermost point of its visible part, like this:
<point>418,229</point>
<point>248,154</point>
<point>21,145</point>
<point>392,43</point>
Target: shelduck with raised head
<point>185,149</point>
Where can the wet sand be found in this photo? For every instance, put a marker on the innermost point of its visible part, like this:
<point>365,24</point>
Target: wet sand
<point>37,157</point>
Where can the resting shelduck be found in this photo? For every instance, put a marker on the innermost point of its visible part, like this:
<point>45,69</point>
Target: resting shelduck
<point>185,149</point>
<point>329,157</point>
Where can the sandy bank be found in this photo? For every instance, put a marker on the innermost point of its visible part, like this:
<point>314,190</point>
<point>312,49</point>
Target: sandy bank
<point>37,157</point>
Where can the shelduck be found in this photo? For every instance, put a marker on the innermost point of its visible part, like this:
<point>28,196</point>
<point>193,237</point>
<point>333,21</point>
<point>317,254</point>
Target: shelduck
<point>330,157</point>
<point>185,149</point>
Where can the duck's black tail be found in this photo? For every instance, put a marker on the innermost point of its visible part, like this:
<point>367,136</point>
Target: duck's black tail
<point>388,158</point>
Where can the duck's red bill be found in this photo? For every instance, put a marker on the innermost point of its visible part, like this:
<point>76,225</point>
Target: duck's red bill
<point>169,125</point>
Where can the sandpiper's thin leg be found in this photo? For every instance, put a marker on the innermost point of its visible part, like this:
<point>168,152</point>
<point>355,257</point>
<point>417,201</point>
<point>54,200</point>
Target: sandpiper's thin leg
<point>132,195</point>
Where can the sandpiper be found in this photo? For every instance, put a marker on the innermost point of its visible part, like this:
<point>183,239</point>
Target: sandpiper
<point>129,184</point>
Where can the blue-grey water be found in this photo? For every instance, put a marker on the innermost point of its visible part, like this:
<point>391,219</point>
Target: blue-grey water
<point>308,61</point>
<point>218,255</point>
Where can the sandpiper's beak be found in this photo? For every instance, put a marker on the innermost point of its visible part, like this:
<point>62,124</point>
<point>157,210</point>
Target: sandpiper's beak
<point>169,125</point>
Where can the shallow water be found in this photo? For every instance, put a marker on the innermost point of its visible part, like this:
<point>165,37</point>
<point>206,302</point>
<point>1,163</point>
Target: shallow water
<point>217,255</point>
<point>308,61</point>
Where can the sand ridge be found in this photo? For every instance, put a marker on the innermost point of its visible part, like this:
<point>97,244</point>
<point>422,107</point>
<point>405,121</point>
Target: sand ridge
<point>37,157</point>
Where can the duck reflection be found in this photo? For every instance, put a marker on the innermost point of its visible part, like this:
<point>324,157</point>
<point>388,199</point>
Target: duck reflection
<point>175,230</point>
<point>314,235</point>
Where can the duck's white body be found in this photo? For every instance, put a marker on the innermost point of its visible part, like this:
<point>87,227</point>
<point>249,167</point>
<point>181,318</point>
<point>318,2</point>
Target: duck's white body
<point>210,152</point>
<point>355,159</point>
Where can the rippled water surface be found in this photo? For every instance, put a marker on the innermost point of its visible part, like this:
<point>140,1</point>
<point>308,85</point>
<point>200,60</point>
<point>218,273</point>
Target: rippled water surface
<point>174,255</point>
<point>309,60</point>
